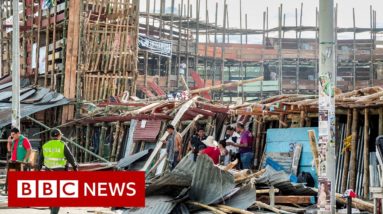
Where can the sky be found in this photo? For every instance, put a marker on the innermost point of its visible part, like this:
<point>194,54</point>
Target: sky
<point>255,8</point>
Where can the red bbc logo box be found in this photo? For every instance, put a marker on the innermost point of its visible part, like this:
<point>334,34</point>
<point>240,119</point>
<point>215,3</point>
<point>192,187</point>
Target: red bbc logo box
<point>75,189</point>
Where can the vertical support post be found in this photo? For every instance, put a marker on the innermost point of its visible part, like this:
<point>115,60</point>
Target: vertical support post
<point>214,66</point>
<point>146,52</point>
<point>353,51</point>
<point>180,9</point>
<point>366,154</point>
<point>326,96</point>
<point>372,43</point>
<point>280,75</point>
<point>15,66</point>
<point>1,37</point>
<point>299,45</point>
<point>162,3</point>
<point>346,154</point>
<point>198,7</point>
<point>171,39</point>
<point>354,154</point>
<point>240,51</point>
<point>206,41</point>
<point>223,46</point>
<point>380,121</point>
<point>263,52</point>
<point>316,48</point>
<point>187,43</point>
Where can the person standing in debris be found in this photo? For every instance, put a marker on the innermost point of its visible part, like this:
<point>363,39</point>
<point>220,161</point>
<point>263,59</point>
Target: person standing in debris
<point>214,150</point>
<point>233,137</point>
<point>196,143</point>
<point>245,146</point>
<point>173,146</point>
<point>20,149</point>
<point>54,156</point>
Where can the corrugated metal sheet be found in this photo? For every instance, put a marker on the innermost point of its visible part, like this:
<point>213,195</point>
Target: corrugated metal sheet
<point>155,205</point>
<point>26,110</point>
<point>181,208</point>
<point>281,180</point>
<point>147,130</point>
<point>125,162</point>
<point>179,178</point>
<point>38,99</point>
<point>209,182</point>
<point>244,198</point>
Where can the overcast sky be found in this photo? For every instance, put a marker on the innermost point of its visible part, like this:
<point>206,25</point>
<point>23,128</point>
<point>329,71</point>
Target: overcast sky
<point>254,10</point>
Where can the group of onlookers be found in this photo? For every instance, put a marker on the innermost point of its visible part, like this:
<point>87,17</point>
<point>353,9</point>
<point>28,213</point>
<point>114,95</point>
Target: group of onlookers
<point>236,145</point>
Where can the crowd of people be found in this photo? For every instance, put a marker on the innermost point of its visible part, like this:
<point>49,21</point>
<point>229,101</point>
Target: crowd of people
<point>236,145</point>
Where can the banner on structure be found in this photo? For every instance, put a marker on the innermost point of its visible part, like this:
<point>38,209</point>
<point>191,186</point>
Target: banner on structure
<point>155,46</point>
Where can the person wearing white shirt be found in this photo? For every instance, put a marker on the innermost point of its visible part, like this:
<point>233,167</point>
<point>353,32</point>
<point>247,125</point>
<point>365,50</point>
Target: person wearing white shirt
<point>233,152</point>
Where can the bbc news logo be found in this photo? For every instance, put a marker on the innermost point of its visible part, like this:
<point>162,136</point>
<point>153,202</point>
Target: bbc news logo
<point>73,189</point>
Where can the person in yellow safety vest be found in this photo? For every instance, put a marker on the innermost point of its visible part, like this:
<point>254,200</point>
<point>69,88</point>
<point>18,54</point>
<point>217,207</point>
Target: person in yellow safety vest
<point>54,156</point>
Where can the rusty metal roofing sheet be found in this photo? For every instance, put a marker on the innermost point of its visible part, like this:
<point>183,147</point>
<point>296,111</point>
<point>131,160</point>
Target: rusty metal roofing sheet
<point>147,130</point>
<point>154,205</point>
<point>209,182</point>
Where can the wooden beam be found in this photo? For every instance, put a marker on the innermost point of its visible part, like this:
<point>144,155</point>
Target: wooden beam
<point>71,58</point>
<point>354,141</point>
<point>314,149</point>
<point>346,153</point>
<point>290,199</point>
<point>175,121</point>
<point>366,155</point>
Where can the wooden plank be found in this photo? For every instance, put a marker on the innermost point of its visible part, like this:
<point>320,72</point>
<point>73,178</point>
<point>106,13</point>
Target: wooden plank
<point>175,121</point>
<point>314,149</point>
<point>290,199</point>
<point>366,154</point>
<point>71,56</point>
<point>296,159</point>
<point>354,141</point>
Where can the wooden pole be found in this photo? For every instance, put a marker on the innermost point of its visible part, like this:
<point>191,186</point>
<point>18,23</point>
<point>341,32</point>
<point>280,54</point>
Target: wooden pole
<point>280,75</point>
<point>381,121</point>
<point>146,52</point>
<point>198,7</point>
<point>187,42</point>
<point>213,209</point>
<point>171,38</point>
<point>223,46</point>
<point>180,9</point>
<point>240,51</point>
<point>206,42</point>
<point>353,50</point>
<point>354,141</point>
<point>258,144</point>
<point>314,149</point>
<point>226,85</point>
<point>214,66</point>
<point>366,154</point>
<point>346,153</point>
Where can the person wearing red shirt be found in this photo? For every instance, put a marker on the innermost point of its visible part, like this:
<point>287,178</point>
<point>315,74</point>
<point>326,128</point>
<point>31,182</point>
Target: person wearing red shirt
<point>214,150</point>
